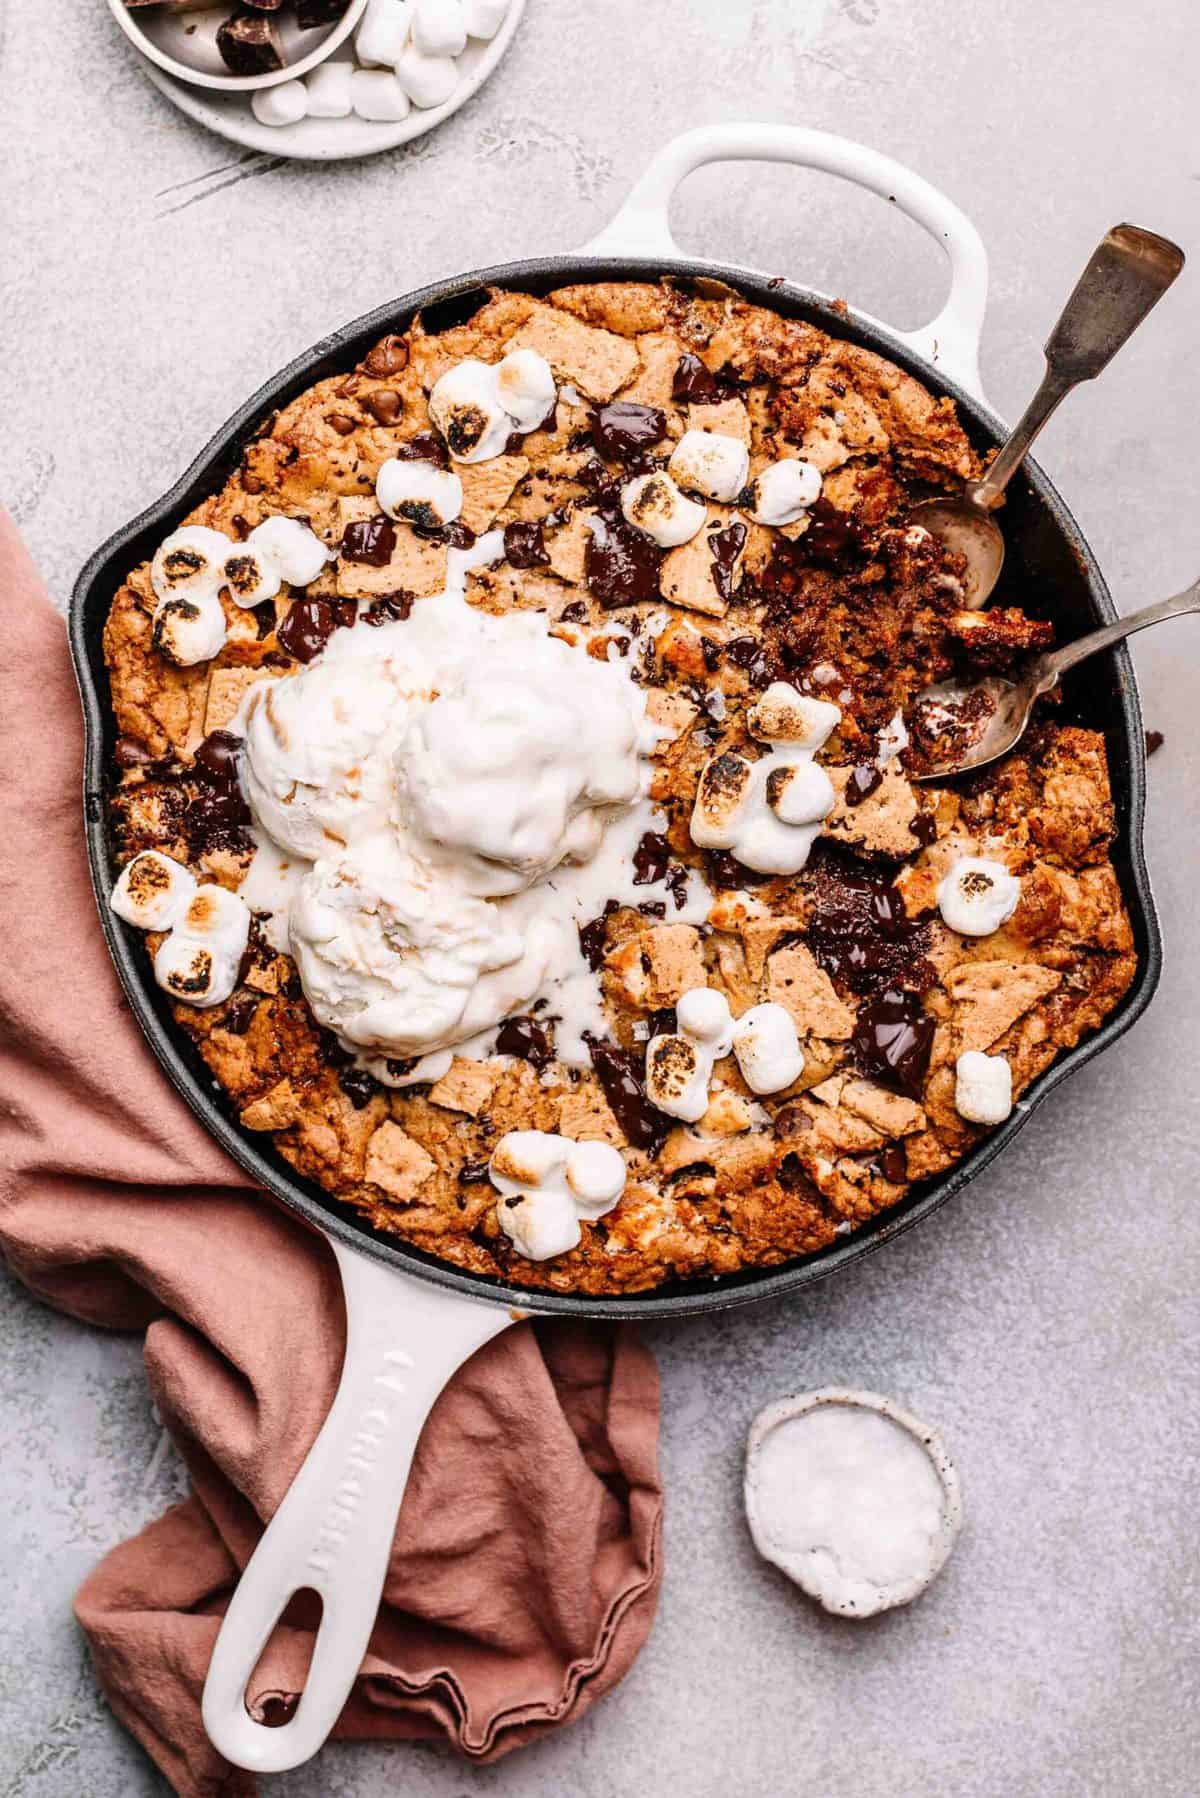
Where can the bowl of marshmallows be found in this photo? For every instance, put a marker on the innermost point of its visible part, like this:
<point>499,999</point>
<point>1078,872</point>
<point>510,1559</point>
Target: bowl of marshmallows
<point>379,61</point>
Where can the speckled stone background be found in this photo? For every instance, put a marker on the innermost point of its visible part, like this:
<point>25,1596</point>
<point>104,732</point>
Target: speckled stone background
<point>1048,1320</point>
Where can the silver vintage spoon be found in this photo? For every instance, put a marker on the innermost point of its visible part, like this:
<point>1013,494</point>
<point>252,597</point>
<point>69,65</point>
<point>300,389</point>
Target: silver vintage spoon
<point>1129,271</point>
<point>971,723</point>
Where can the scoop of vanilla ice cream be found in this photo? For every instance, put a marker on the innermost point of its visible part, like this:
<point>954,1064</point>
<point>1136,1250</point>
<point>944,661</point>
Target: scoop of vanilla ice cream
<point>394,959</point>
<point>503,771</point>
<point>316,768</point>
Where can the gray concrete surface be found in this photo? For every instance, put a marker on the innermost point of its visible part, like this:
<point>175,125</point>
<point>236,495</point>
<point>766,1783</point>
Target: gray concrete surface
<point>1048,1321</point>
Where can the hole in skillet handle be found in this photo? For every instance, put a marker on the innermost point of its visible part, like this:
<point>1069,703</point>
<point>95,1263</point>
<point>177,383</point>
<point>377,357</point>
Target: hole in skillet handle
<point>302,1614</point>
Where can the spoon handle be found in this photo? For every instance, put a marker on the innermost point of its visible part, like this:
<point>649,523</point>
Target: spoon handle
<point>1128,274</point>
<point>1054,664</point>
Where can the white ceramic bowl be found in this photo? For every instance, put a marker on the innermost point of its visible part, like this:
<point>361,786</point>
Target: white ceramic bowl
<point>185,44</point>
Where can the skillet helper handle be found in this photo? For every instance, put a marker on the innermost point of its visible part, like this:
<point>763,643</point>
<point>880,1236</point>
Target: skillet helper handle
<point>1128,272</point>
<point>1053,665</point>
<point>950,341</point>
<point>333,1532</point>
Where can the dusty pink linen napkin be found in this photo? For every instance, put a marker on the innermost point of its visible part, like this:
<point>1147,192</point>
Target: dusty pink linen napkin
<point>526,1566</point>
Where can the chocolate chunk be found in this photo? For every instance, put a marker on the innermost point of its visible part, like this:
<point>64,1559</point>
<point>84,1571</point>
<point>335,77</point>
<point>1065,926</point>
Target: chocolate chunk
<point>651,859</point>
<point>239,1014</point>
<point>249,44</point>
<point>216,818</point>
<point>359,1086</point>
<point>526,1039</point>
<point>862,783</point>
<point>369,540</point>
<point>832,538</point>
<point>471,1173</point>
<point>754,659</point>
<point>725,870</point>
<point>694,382</point>
<point>621,565</point>
<point>621,1076</point>
<point>388,357</point>
<point>384,406</point>
<point>389,608</point>
<point>860,932</point>
<point>525,546</point>
<point>1154,741</point>
<point>264,5</point>
<point>893,1037</point>
<point>424,447</point>
<point>574,613</point>
<point>264,618</point>
<point>217,758</point>
<point>341,422</point>
<point>652,908</point>
<point>726,546</point>
<point>307,628</point>
<point>623,431</point>
<point>310,13</point>
<point>595,479</point>
<point>593,936</point>
<point>131,752</point>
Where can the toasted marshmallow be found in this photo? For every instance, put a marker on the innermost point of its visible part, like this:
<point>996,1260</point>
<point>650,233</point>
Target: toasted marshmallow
<point>218,918</point>
<point>466,408</point>
<point>484,17</point>
<point>251,575</point>
<point>655,505</point>
<point>191,630</point>
<point>383,33</point>
<point>783,492</point>
<point>153,891</point>
<point>983,1087</point>
<point>330,91</point>
<point>525,384</point>
<point>427,496</point>
<point>767,1048</point>
<point>439,28</point>
<point>769,812</point>
<point>285,104</point>
<point>296,551</point>
<point>188,563</point>
<point>711,463</point>
<point>376,94</point>
<point>785,715</point>
<point>546,1184</point>
<point>679,1064</point>
<point>977,896</point>
<point>427,80</point>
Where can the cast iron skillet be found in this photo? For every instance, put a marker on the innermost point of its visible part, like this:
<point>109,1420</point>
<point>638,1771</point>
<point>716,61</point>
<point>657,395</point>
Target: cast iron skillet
<point>411,1319</point>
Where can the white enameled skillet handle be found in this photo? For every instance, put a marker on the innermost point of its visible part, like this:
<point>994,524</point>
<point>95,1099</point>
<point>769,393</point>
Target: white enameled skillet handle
<point>950,341</point>
<point>333,1532</point>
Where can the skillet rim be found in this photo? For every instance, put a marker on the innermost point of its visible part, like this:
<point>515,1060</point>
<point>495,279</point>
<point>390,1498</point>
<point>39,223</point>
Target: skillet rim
<point>108,565</point>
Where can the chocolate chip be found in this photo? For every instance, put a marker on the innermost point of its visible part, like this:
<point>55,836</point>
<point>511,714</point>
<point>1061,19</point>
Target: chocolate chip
<point>341,422</point>
<point>574,613</point>
<point>307,628</point>
<point>384,406</point>
<point>131,752</point>
<point>525,546</point>
<point>388,357</point>
<point>239,1014</point>
<point>217,757</point>
<point>369,540</point>
<point>471,1173</point>
<point>359,1086</point>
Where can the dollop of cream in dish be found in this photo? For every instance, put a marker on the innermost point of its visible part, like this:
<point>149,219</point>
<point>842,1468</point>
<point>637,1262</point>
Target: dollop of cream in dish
<point>440,804</point>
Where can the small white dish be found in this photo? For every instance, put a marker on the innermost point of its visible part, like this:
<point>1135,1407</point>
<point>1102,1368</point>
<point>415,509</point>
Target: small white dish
<point>335,140</point>
<point>852,1498</point>
<point>184,45</point>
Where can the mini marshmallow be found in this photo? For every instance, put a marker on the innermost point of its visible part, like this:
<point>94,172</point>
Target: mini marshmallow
<point>767,1048</point>
<point>285,104</point>
<point>218,918</point>
<point>785,715</point>
<point>465,406</point>
<point>769,812</point>
<point>427,496</point>
<point>251,575</point>
<point>484,17</point>
<point>711,463</point>
<point>654,504</point>
<point>547,1183</point>
<point>983,1087</point>
<point>427,80</point>
<point>153,891</point>
<point>439,28</point>
<point>783,492</point>
<point>383,33</point>
<point>296,551</point>
<point>187,631</point>
<point>679,1064</point>
<point>193,971</point>
<point>977,896</point>
<point>377,94</point>
<point>525,387</point>
<point>187,564</point>
<point>330,91</point>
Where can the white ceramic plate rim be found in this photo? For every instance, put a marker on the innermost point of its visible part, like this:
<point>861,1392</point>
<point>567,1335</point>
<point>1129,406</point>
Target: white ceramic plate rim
<point>231,118</point>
